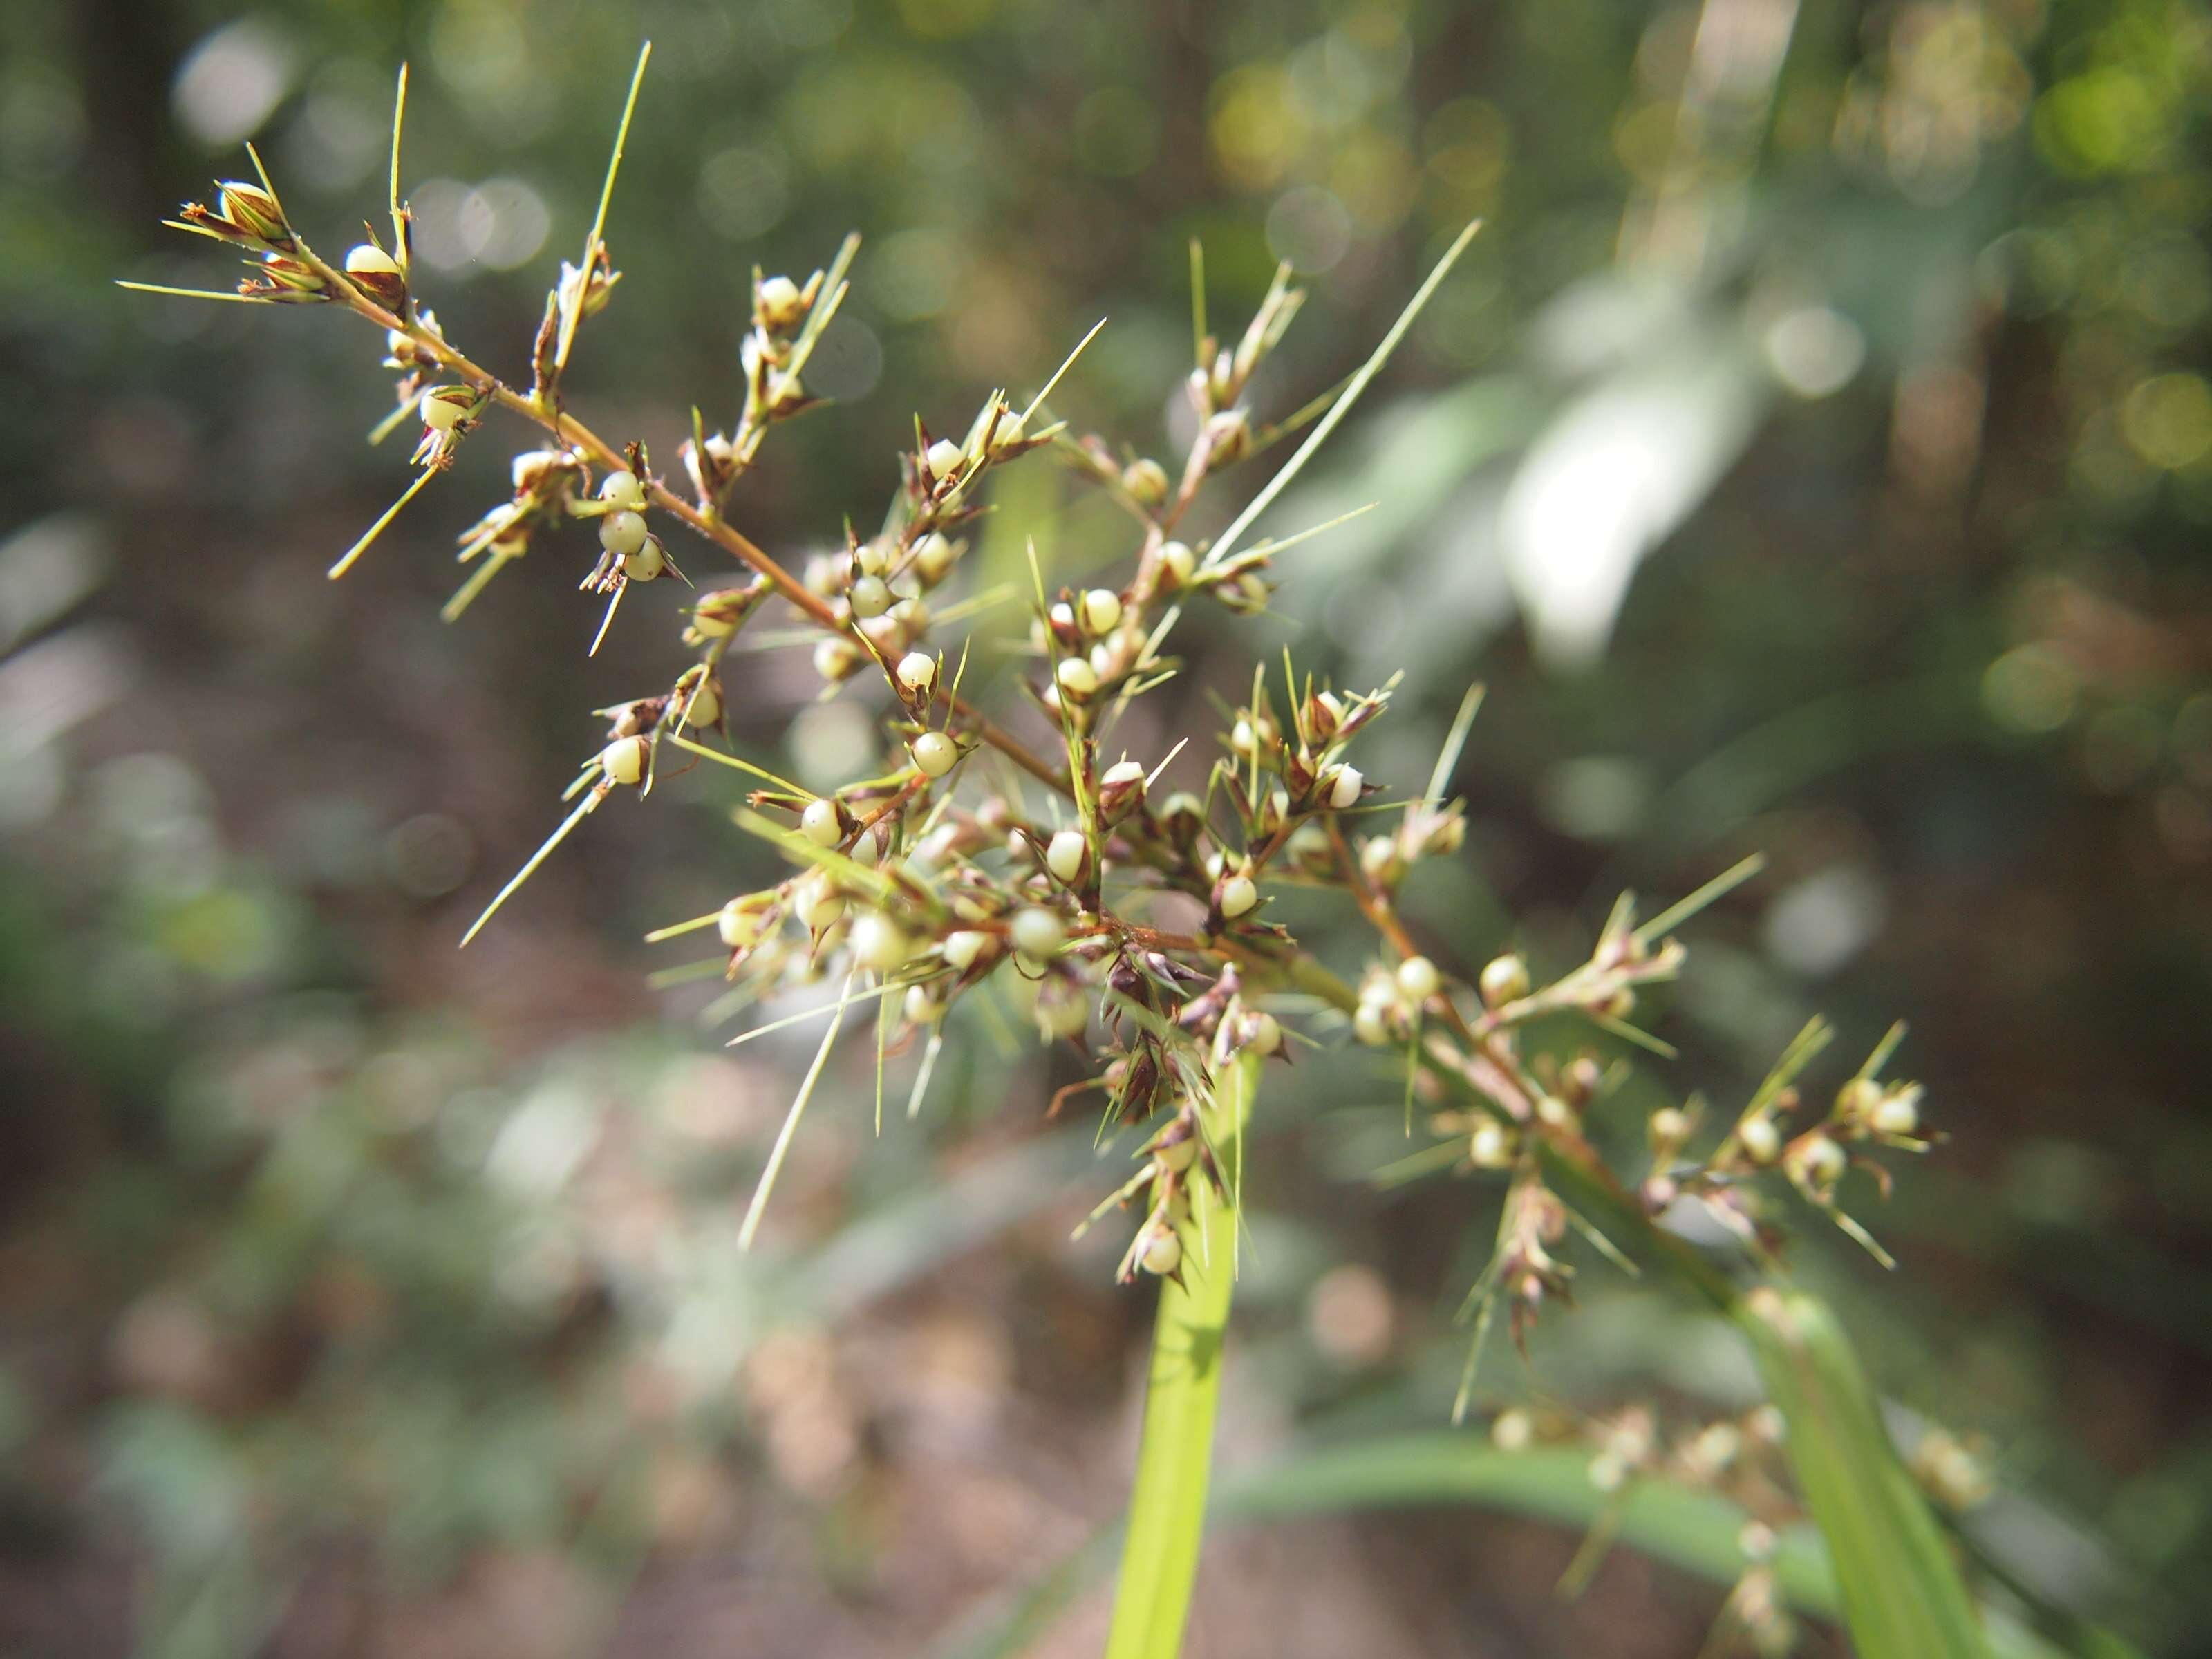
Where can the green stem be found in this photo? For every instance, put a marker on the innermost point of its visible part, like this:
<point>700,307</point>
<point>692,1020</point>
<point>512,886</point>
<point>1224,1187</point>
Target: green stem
<point>1167,1510</point>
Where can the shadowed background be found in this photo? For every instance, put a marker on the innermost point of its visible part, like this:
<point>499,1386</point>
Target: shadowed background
<point>1811,455</point>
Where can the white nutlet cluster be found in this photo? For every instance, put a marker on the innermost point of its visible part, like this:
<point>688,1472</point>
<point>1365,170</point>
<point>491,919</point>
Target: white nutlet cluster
<point>934,557</point>
<point>944,458</point>
<point>622,492</point>
<point>820,822</point>
<point>1760,1140</point>
<point>1898,1113</point>
<point>702,704</point>
<point>442,407</point>
<point>1505,979</point>
<point>917,671</point>
<point>779,303</point>
<point>622,531</point>
<point>1178,564</point>
<point>623,761</point>
<point>964,948</point>
<point>935,753</point>
<point>1822,1161</point>
<point>1036,932</point>
<point>879,943</point>
<point>815,902</point>
<point>1382,1015</point>
<point>1491,1146</point>
<point>739,925</point>
<point>871,596</point>
<point>1066,854</point>
<point>1238,895</point>
<point>1146,481</point>
<point>1419,979</point>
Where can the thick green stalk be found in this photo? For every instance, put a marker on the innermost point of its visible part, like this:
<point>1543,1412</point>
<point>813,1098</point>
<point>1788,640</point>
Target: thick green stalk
<point>1166,1509</point>
<point>1902,1594</point>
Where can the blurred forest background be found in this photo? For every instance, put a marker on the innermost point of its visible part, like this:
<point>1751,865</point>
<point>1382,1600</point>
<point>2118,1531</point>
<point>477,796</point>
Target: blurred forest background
<point>1813,454</point>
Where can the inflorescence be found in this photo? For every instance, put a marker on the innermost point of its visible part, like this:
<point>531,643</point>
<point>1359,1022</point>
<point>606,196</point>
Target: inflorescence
<point>914,889</point>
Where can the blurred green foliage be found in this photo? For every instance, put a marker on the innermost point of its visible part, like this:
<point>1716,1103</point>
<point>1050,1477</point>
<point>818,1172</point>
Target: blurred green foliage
<point>1813,454</point>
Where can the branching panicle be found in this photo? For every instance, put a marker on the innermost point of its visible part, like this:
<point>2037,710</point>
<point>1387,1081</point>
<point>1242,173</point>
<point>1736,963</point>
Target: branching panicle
<point>1043,872</point>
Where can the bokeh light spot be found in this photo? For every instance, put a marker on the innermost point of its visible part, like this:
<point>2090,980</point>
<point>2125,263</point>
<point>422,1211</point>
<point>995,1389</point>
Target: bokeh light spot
<point>233,80</point>
<point>2031,690</point>
<point>2167,420</point>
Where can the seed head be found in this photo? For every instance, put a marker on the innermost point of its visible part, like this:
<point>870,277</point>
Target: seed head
<point>1419,979</point>
<point>1120,790</point>
<point>1178,564</point>
<point>739,925</point>
<point>1821,1161</point>
<point>1101,610</point>
<point>377,274</point>
<point>964,948</point>
<point>837,659</point>
<point>880,944</point>
<point>1229,435</point>
<point>705,706</point>
<point>917,671</point>
<point>1076,676</point>
<point>820,822</point>
<point>1380,862</point>
<point>869,596</point>
<point>1505,979</point>
<point>1164,1255</point>
<point>778,304</point>
<point>935,754</point>
<point>621,489</point>
<point>1899,1113</point>
<point>1760,1140</point>
<point>1177,1154</point>
<point>532,467</point>
<point>1036,932</point>
<point>944,458</point>
<point>1343,784</point>
<point>1066,854</point>
<point>253,210</point>
<point>1146,481</point>
<point>624,760</point>
<point>444,407</point>
<point>815,902</point>
<point>1238,895</point>
<point>622,532</point>
<point>934,557</point>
